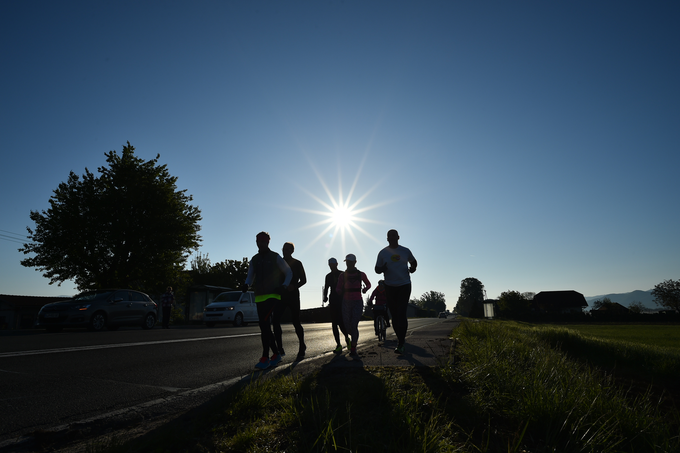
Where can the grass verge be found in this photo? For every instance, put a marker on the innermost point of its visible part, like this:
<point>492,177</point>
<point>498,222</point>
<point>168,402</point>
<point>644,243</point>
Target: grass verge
<point>509,388</point>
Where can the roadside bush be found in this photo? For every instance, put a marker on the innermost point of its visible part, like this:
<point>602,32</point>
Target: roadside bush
<point>176,316</point>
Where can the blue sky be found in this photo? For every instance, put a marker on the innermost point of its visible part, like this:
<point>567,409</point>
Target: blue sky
<point>531,145</point>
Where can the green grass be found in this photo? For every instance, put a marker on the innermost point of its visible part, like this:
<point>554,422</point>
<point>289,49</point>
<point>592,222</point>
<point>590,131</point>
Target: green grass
<point>510,387</point>
<point>663,336</point>
<point>635,350</point>
<point>338,410</point>
<point>520,378</point>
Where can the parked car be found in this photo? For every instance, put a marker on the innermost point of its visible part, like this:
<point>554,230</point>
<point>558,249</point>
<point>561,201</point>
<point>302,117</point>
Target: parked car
<point>443,315</point>
<point>99,309</point>
<point>233,307</point>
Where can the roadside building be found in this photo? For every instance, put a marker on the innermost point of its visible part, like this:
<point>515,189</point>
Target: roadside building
<point>198,297</point>
<point>559,302</point>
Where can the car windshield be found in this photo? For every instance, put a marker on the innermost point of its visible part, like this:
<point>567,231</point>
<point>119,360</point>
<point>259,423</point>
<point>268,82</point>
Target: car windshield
<point>233,296</point>
<point>93,295</point>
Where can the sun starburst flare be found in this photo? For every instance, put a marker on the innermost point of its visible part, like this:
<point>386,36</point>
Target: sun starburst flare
<point>341,216</point>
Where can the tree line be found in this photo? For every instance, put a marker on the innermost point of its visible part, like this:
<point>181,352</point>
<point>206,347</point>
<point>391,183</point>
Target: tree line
<point>519,305</point>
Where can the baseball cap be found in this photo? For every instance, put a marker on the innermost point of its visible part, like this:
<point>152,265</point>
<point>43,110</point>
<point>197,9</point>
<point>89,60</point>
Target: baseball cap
<point>332,261</point>
<point>351,257</point>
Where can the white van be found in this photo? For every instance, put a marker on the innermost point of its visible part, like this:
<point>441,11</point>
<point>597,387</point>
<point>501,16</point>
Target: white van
<point>233,307</point>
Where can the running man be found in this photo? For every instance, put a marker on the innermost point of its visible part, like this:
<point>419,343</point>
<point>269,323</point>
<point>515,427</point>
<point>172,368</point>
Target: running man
<point>349,285</point>
<point>269,275</point>
<point>335,304</point>
<point>291,299</point>
<point>393,261</point>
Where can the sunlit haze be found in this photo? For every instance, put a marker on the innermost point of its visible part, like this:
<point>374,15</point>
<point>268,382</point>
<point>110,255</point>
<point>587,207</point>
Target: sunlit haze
<point>532,145</point>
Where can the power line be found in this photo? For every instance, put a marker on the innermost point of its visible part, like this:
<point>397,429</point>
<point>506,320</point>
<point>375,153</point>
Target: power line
<point>13,237</point>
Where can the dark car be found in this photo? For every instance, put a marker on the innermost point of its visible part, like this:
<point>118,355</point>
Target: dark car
<point>97,309</point>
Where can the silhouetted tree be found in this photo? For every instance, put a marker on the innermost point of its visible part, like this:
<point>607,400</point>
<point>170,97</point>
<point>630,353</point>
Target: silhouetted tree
<point>513,304</point>
<point>432,300</point>
<point>228,273</point>
<point>636,307</point>
<point>529,295</point>
<point>605,302</point>
<point>471,299</point>
<point>128,227</point>
<point>667,294</point>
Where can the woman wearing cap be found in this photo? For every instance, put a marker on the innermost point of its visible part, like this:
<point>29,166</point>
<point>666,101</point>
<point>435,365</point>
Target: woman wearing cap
<point>349,285</point>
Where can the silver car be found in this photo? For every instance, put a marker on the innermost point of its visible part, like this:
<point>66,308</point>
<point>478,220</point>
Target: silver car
<point>99,309</point>
<point>232,307</point>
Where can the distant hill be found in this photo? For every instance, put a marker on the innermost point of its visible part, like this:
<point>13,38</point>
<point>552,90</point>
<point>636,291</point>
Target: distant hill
<point>625,299</point>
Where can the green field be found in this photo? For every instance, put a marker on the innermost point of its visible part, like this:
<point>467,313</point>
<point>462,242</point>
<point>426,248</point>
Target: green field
<point>664,336</point>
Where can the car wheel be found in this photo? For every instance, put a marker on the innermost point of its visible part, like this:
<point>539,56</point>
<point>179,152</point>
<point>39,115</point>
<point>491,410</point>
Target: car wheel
<point>238,320</point>
<point>98,321</point>
<point>149,321</point>
<point>210,324</point>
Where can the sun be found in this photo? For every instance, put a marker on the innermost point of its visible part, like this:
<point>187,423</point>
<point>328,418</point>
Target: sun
<point>342,215</point>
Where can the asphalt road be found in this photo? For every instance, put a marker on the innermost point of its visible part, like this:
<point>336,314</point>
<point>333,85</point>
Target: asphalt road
<point>52,380</point>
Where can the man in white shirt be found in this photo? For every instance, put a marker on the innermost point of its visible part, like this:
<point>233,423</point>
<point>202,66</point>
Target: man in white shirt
<point>393,261</point>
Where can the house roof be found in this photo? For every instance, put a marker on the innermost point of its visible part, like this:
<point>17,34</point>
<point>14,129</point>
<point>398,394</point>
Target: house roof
<point>29,301</point>
<point>561,299</point>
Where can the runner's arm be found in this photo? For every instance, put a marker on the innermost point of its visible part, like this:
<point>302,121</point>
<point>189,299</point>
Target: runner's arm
<point>285,268</point>
<point>366,282</point>
<point>303,277</point>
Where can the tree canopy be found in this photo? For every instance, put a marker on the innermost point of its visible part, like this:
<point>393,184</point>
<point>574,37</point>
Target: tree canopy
<point>667,294</point>
<point>471,299</point>
<point>227,273</point>
<point>513,304</point>
<point>128,227</point>
<point>432,300</point>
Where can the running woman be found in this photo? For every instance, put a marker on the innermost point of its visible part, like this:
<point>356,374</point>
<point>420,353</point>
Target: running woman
<point>349,285</point>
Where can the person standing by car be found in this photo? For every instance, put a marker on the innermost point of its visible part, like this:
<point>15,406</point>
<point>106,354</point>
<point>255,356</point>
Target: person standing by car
<point>349,285</point>
<point>291,299</point>
<point>393,261</point>
<point>167,301</point>
<point>269,275</point>
<point>335,304</point>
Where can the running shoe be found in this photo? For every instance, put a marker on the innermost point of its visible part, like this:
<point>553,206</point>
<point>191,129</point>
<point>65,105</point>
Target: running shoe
<point>301,352</point>
<point>353,351</point>
<point>349,343</point>
<point>338,350</point>
<point>275,360</point>
<point>399,349</point>
<point>263,364</point>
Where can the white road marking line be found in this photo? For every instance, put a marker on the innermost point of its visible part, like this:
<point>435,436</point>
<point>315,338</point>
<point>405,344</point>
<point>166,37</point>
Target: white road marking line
<point>119,345</point>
